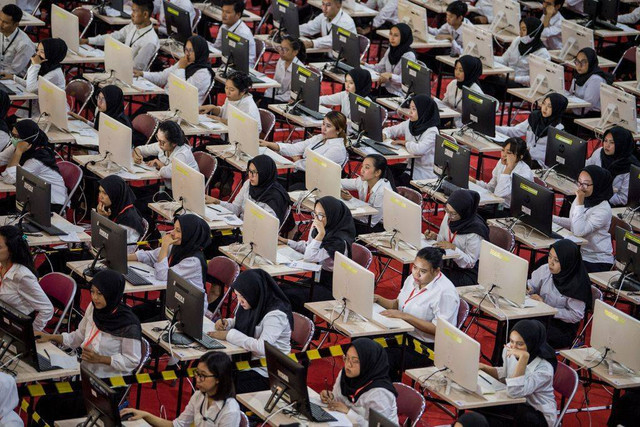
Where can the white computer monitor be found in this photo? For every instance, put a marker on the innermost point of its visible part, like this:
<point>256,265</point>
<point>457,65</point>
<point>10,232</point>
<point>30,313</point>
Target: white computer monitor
<point>618,332</point>
<point>114,141</point>
<point>53,103</point>
<point>260,230</point>
<point>617,107</point>
<point>638,68</point>
<point>118,59</point>
<point>354,285</point>
<point>545,76</point>
<point>506,17</point>
<point>243,132</point>
<point>415,16</point>
<point>402,217</point>
<point>503,273</point>
<point>322,175</point>
<point>575,37</point>
<point>65,25</point>
<point>479,43</point>
<point>183,99</point>
<point>188,187</point>
<point>457,352</point>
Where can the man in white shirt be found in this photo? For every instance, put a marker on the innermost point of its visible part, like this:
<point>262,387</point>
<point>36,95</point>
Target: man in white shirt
<point>452,29</point>
<point>16,47</point>
<point>552,22</point>
<point>139,35</point>
<point>158,9</point>
<point>232,11</point>
<point>387,13</point>
<point>631,17</point>
<point>332,14</point>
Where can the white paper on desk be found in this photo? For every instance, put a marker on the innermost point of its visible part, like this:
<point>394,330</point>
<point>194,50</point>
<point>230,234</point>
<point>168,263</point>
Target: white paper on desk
<point>387,322</point>
<point>70,238</point>
<point>126,175</point>
<point>573,238</point>
<point>355,203</point>
<point>68,227</point>
<point>480,190</point>
<point>142,83</point>
<point>287,254</point>
<point>308,266</point>
<point>232,220</point>
<point>424,243</point>
<point>63,361</point>
<point>500,137</point>
<point>341,419</point>
<point>86,141</point>
<point>530,302</point>
<point>279,159</point>
<point>90,52</point>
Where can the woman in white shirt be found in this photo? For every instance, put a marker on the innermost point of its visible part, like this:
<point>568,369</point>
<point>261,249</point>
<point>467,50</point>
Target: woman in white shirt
<point>528,371</point>
<point>358,81</point>
<point>20,288</point>
<point>590,218</point>
<point>536,128</point>
<point>426,295</point>
<point>587,78</point>
<point>9,402</point>
<point>419,133</point>
<point>263,315</point>
<point>375,175</point>
<point>363,384</point>
<point>467,72</point>
<point>236,88</point>
<point>292,53</point>
<point>562,283</point>
<point>390,66</point>
<point>212,405</point>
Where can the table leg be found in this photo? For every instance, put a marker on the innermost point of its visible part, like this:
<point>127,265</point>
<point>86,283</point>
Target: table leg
<point>180,387</point>
<point>405,271</point>
<point>496,357</point>
<point>479,168</point>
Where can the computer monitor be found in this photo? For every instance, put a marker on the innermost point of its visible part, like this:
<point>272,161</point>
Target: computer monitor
<point>353,285</point>
<point>260,230</point>
<point>451,161</point>
<point>634,187</point>
<point>416,78</point>
<point>17,336</point>
<point>188,187</point>
<point>415,16</point>
<point>617,108</point>
<point>108,240</point>
<point>402,217</point>
<point>65,25</point>
<point>322,175</point>
<point>100,400</point>
<point>638,68</point>
<point>601,11</point>
<point>118,60</point>
<point>184,307</point>
<point>575,37</point>
<point>502,273</point>
<point>33,198</point>
<point>366,117</point>
<point>546,76</point>
<point>617,333</point>
<point>506,17</point>
<point>114,140</point>
<point>376,419</point>
<point>305,88</point>
<point>53,104</point>
<point>243,132</point>
<point>285,17</point>
<point>119,6</point>
<point>458,353</point>
<point>565,153</point>
<point>479,112</point>
<point>178,22</point>
<point>235,51</point>
<point>479,43</point>
<point>183,100</point>
<point>628,251</point>
<point>345,46</point>
<point>532,204</point>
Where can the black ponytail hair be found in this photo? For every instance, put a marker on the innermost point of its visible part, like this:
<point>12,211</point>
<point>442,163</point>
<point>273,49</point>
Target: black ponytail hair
<point>380,163</point>
<point>18,247</point>
<point>173,132</point>
<point>296,44</point>
<point>432,255</point>
<point>519,147</point>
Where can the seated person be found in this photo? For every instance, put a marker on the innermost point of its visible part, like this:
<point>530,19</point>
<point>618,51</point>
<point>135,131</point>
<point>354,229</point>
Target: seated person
<point>390,66</point>
<point>562,283</point>
<point>10,401</point>
<point>232,11</point>
<point>552,22</point>
<point>471,419</point>
<point>587,78</point>
<point>115,201</point>
<point>20,288</point>
<point>17,47</point>
<point>6,148</point>
<point>237,89</point>
<point>528,370</point>
<point>158,10</point>
<point>630,18</point>
<point>425,295</point>
<point>263,315</point>
<point>138,34</point>
<point>616,156</point>
<point>111,102</point>
<point>452,29</point>
<point>462,230</point>
<point>357,81</point>
<point>590,217</point>
<point>332,15</point>
<point>387,14</point>
<point>467,72</point>
<point>363,384</point>
<point>292,53</point>
<point>375,175</point>
<point>483,13</point>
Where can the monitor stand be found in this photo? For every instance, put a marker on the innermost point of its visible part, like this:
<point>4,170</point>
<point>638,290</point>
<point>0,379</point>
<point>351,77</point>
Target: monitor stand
<point>276,395</point>
<point>91,420</point>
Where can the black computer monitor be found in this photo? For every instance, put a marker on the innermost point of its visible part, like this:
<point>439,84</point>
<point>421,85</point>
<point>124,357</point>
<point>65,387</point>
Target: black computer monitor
<point>601,10</point>
<point>416,78</point>
<point>183,306</point>
<point>366,117</point>
<point>479,112</point>
<point>532,204</point>
<point>376,419</point>
<point>178,22</point>
<point>33,198</point>
<point>235,51</point>
<point>451,161</point>
<point>100,400</point>
<point>305,87</point>
<point>345,46</point>
<point>566,153</point>
<point>634,187</point>
<point>109,240</point>
<point>628,254</point>
<point>285,17</point>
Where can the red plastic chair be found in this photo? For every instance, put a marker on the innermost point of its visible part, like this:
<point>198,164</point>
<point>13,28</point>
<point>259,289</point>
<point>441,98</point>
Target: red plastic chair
<point>410,403</point>
<point>72,175</point>
<point>410,194</point>
<point>80,91</point>
<point>565,383</point>
<point>463,313</point>
<point>61,289</point>
<point>146,125</point>
<point>303,329</point>
<point>207,164</point>
<point>502,238</point>
<point>267,121</point>
<point>225,271</point>
<point>85,18</point>
<point>361,255</point>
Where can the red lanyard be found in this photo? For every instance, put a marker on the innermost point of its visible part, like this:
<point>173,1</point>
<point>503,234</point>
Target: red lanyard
<point>126,208</point>
<point>451,238</point>
<point>366,198</point>
<point>411,296</point>
<point>92,337</point>
<point>358,391</point>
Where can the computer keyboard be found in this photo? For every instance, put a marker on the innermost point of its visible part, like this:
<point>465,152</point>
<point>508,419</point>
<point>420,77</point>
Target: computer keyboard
<point>6,89</point>
<point>44,364</point>
<point>599,25</point>
<point>135,279</point>
<point>380,148</point>
<point>628,284</point>
<point>210,343</point>
<point>319,415</point>
<point>302,110</point>
<point>33,227</point>
<point>447,188</point>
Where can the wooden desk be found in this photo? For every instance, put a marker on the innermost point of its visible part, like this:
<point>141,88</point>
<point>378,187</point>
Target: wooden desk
<point>486,197</point>
<point>478,144</point>
<point>360,211</point>
<point>201,129</point>
<point>626,31</point>
<point>102,171</point>
<point>270,44</point>
<point>431,43</point>
<point>394,105</point>
<point>27,373</point>
<point>497,68</point>
<point>78,268</point>
<point>224,152</point>
<point>605,279</point>
<point>215,13</point>
<point>631,87</point>
<point>304,121</point>
<point>555,57</point>
<point>29,20</point>
<point>557,182</point>
<point>58,136</point>
<point>359,9</point>
<point>76,421</point>
<point>238,253</point>
<point>166,210</point>
<point>502,36</point>
<point>20,92</point>
<point>592,124</point>
<point>461,400</point>
<point>267,82</point>
<point>523,93</point>
<point>6,188</point>
<point>627,216</point>
<point>74,59</point>
<point>339,76</point>
<point>140,87</point>
<point>533,238</point>
<point>43,239</point>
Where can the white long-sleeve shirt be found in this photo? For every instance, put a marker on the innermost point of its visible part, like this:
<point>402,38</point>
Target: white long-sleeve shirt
<point>456,34</point>
<point>7,150</point>
<point>20,290</point>
<point>424,146</point>
<point>158,9</point>
<point>36,167</point>
<point>552,35</point>
<point>387,12</point>
<point>485,8</point>
<point>333,149</point>
<point>453,98</point>
<point>591,224</point>
<point>537,146</point>
<point>143,41</point>
<point>125,353</point>
<point>620,182</point>
<point>375,198</point>
<point>247,105</point>
<point>313,252</point>
<point>201,79</point>
<point>631,17</point>
<point>589,91</point>
<point>575,5</point>
<point>570,310</point>
<point>240,29</point>
<point>31,85</point>
<point>519,63</point>
<point>283,76</point>
<point>237,206</point>
<point>200,413</point>
<point>16,51</point>
<point>500,183</point>
<point>320,25</point>
<point>181,152</point>
<point>394,84</point>
<point>467,246</point>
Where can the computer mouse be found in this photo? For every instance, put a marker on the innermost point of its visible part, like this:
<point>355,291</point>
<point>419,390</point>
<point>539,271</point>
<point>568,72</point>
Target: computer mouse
<point>126,417</point>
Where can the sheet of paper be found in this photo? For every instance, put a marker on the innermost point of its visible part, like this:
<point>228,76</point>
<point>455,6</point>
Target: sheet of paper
<point>61,360</point>
<point>308,266</point>
<point>288,254</point>
<point>70,238</point>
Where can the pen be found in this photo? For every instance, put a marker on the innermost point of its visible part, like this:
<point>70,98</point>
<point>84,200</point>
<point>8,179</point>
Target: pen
<point>140,269</point>
<point>486,380</point>
<point>47,353</point>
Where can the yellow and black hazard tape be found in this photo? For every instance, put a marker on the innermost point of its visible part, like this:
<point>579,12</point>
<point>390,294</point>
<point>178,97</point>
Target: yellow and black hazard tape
<point>35,417</point>
<point>36,390</point>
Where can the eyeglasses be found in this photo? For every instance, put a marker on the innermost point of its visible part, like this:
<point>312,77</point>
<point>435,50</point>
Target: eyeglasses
<point>585,184</point>
<point>452,214</point>
<point>580,62</point>
<point>252,172</point>
<point>352,360</point>
<point>319,216</point>
<point>187,50</point>
<point>201,376</point>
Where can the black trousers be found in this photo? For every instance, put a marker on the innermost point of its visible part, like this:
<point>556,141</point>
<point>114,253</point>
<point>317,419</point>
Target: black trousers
<point>561,334</point>
<point>365,228</point>
<point>626,410</point>
<point>300,293</point>
<point>521,414</point>
<point>250,381</point>
<point>412,360</point>
<point>460,276</point>
<point>595,267</point>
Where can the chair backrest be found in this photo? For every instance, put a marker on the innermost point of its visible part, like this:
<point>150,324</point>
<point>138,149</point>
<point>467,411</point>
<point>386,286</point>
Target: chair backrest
<point>146,124</point>
<point>629,55</point>
<point>267,121</point>
<point>260,48</point>
<point>303,329</point>
<point>207,165</point>
<point>502,238</point>
<point>72,175</point>
<point>81,91</point>
<point>410,194</point>
<point>145,233</point>
<point>244,420</point>
<point>364,45</point>
<point>223,269</point>
<point>596,294</point>
<point>565,383</point>
<point>410,403</point>
<point>85,18</point>
<point>61,290</point>
<point>361,255</point>
<point>196,19</point>
<point>145,351</point>
<point>384,114</point>
<point>463,313</point>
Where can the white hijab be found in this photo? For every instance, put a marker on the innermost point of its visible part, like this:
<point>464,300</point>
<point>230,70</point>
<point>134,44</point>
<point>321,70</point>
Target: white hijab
<point>8,402</point>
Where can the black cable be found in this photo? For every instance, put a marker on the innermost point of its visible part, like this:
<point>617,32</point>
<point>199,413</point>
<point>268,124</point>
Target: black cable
<point>604,356</point>
<point>432,374</point>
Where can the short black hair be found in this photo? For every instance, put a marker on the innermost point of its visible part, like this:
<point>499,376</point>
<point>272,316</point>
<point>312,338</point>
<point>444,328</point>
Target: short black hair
<point>145,4</point>
<point>13,11</point>
<point>458,8</point>
<point>558,3</point>
<point>173,132</point>
<point>241,81</point>
<point>432,255</point>
<point>220,365</point>
<point>238,5</point>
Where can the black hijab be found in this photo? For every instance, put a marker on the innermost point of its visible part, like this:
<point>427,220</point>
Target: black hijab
<point>602,185</point>
<point>623,157</point>
<point>465,202</point>
<point>5,105</point>
<point>374,371</point>
<point>29,131</point>
<point>540,125</point>
<point>362,80</point>
<point>201,53</point>
<point>114,98</point>
<point>55,51</point>
<point>269,190</point>
<point>263,295</point>
<point>472,68</point>
<point>428,115</point>
<point>123,211</point>
<point>195,237</point>
<point>534,335</point>
<point>340,229</point>
<point>534,31</point>
<point>472,419</point>
<point>406,39</point>
<point>592,58</point>
<point>116,318</point>
<point>573,279</point>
